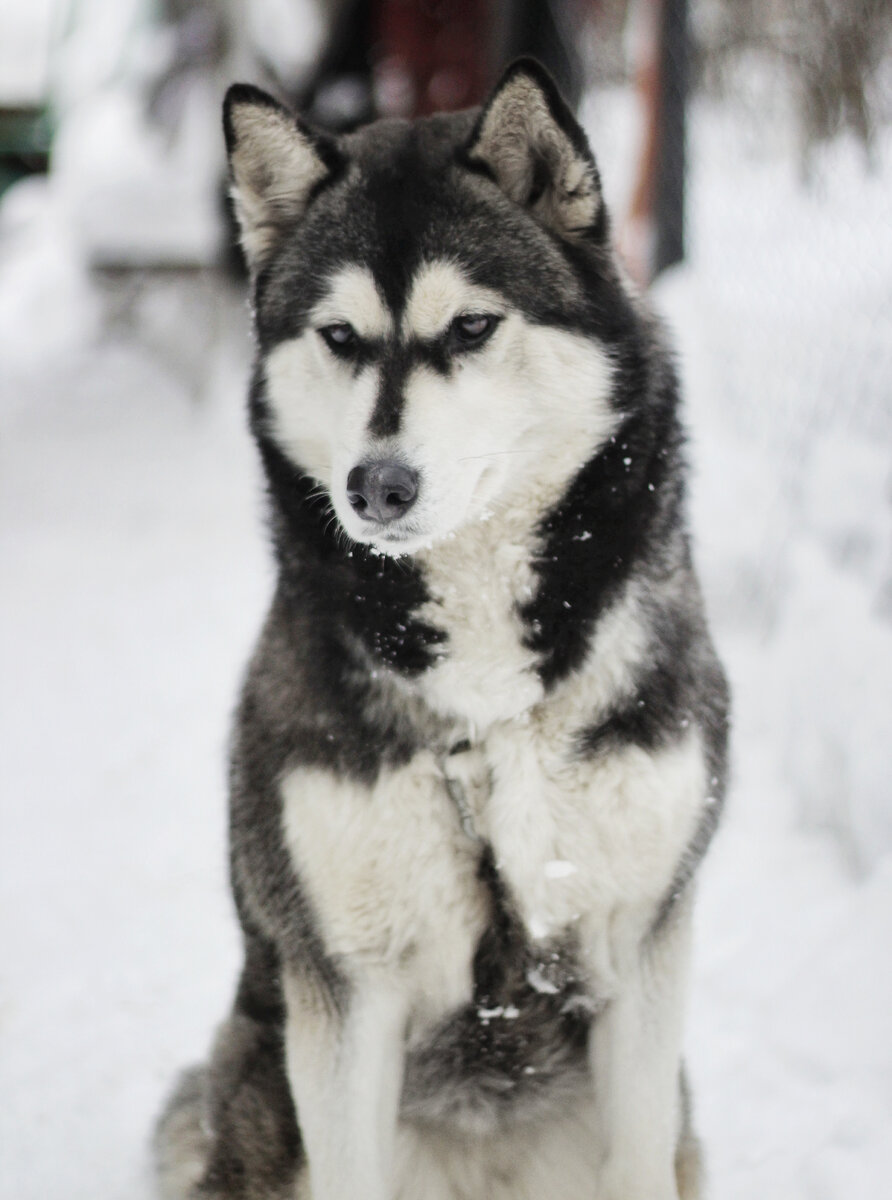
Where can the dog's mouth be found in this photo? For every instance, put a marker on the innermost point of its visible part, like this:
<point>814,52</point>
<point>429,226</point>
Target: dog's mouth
<point>389,537</point>
<point>396,538</point>
<point>394,542</point>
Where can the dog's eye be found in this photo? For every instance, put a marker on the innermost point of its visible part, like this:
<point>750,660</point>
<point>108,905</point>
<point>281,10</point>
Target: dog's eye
<point>471,329</point>
<point>340,337</point>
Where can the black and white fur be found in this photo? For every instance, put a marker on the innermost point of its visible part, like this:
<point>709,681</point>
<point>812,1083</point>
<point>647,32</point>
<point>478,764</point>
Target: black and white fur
<point>481,745</point>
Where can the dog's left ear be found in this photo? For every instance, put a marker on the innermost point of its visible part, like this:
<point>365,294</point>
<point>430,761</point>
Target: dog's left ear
<point>527,138</point>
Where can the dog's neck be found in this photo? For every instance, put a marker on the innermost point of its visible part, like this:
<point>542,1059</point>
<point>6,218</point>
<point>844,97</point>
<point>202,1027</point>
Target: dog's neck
<point>483,624</point>
<point>479,581</point>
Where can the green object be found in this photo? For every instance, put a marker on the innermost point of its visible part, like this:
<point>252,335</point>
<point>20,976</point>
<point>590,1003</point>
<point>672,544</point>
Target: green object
<point>25,139</point>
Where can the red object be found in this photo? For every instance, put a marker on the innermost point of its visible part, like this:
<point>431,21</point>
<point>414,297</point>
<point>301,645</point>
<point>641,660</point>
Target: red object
<point>432,55</point>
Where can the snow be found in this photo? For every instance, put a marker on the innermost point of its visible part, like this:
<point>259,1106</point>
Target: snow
<point>784,325</point>
<point>157,198</point>
<point>47,304</point>
<point>559,868</point>
<point>134,575</point>
<point>25,51</point>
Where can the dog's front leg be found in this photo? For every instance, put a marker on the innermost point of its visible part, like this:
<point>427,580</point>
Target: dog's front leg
<point>635,1060</point>
<point>345,1068</point>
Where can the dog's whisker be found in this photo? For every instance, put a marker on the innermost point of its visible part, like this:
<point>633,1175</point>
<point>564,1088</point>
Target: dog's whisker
<point>490,454</point>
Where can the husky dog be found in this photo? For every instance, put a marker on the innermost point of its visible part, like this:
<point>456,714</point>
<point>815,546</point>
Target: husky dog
<point>481,744</point>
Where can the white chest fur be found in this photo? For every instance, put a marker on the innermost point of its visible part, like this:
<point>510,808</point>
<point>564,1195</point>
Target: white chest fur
<point>580,841</point>
<point>477,580</point>
<point>392,873</point>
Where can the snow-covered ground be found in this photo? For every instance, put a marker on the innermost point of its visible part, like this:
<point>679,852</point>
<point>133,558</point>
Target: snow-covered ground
<point>784,325</point>
<point>134,575</point>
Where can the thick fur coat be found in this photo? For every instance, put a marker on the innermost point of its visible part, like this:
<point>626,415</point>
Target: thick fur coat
<point>480,748</point>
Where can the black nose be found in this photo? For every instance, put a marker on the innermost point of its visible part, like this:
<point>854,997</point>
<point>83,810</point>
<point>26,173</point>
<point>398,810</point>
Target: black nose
<point>382,491</point>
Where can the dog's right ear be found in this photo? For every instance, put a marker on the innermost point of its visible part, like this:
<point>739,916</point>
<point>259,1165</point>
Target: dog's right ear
<point>275,162</point>
<point>528,141</point>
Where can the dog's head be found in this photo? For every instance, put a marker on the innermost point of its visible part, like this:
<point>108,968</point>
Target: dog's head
<point>437,306</point>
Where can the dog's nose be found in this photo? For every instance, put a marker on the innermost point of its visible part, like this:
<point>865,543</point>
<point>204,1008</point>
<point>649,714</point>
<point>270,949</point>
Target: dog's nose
<point>382,491</point>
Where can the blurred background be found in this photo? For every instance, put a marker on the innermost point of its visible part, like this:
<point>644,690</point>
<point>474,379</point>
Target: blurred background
<point>746,152</point>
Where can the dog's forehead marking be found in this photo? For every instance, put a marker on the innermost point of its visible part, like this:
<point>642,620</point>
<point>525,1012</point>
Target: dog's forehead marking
<point>441,291</point>
<point>353,296</point>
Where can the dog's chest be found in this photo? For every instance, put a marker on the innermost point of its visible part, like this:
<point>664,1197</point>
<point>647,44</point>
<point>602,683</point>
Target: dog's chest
<point>483,672</point>
<point>577,838</point>
<point>393,869</point>
<point>390,874</point>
